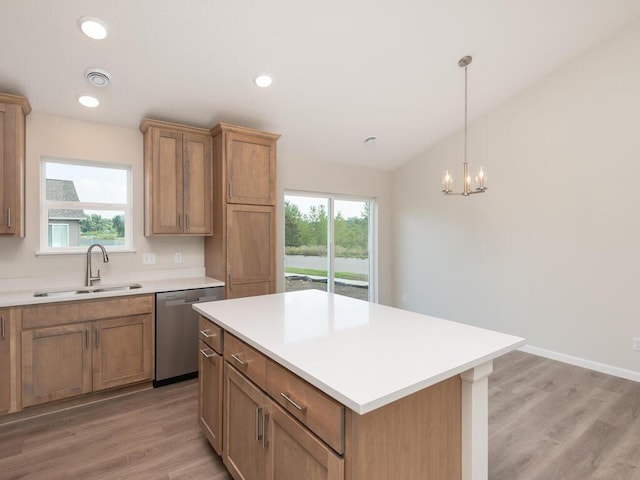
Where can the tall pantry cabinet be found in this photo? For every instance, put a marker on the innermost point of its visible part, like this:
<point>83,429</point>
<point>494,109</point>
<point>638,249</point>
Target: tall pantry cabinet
<point>242,249</point>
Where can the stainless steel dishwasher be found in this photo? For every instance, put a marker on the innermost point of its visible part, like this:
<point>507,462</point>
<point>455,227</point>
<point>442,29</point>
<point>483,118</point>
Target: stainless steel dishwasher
<point>177,333</point>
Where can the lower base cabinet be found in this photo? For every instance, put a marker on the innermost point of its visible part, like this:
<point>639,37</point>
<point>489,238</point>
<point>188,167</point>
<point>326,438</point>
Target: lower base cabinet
<point>56,363</point>
<point>5,361</point>
<point>74,357</point>
<point>275,426</point>
<point>262,441</point>
<point>210,395</point>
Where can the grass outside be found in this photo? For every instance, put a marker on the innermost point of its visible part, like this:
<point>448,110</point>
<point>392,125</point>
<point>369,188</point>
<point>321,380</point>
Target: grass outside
<point>323,273</point>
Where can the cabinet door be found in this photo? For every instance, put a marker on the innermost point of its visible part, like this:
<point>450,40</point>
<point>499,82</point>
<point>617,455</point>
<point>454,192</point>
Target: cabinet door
<point>166,202</point>
<point>245,449</point>
<point>250,250</point>
<point>210,395</point>
<point>56,363</point>
<point>121,351</point>
<point>11,170</point>
<point>197,184</point>
<point>251,169</point>
<point>5,362</point>
<point>295,453</point>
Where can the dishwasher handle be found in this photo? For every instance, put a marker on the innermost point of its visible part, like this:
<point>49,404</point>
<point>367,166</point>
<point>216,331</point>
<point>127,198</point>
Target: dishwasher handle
<point>188,301</point>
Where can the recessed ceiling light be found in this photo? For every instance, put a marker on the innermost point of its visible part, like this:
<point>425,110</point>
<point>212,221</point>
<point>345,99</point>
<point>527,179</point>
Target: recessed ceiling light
<point>263,80</point>
<point>93,27</point>
<point>88,101</point>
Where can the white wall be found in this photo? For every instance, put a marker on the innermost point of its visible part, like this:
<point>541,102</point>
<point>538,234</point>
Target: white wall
<point>64,138</point>
<point>300,174</point>
<point>552,251</point>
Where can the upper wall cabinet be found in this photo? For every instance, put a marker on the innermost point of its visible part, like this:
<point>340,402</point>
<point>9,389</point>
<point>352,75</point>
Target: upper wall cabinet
<point>13,112</point>
<point>250,165</point>
<point>177,179</point>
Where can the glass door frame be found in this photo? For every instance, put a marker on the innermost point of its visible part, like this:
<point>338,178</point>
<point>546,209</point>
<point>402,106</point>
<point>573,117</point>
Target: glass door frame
<point>372,235</point>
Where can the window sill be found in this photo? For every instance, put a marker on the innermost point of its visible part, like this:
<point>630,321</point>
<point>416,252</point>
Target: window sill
<point>39,253</point>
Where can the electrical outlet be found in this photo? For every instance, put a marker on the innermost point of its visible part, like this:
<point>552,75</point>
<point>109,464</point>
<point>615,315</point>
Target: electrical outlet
<point>636,344</point>
<point>177,258</point>
<point>148,258</point>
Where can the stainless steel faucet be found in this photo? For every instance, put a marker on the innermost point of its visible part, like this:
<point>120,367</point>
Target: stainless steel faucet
<point>105,258</point>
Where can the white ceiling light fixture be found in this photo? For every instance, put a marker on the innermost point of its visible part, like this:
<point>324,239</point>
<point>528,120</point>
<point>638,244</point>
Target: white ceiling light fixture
<point>93,27</point>
<point>479,181</point>
<point>88,101</point>
<point>97,77</point>
<point>263,80</point>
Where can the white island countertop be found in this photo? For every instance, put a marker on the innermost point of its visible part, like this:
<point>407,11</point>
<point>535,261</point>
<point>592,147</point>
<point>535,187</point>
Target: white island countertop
<point>362,354</point>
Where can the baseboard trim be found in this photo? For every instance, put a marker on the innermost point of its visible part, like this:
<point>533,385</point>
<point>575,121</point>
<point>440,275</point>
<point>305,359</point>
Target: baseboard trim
<point>581,362</point>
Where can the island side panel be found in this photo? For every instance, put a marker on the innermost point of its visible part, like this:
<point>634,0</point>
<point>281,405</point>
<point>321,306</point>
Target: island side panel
<point>416,437</point>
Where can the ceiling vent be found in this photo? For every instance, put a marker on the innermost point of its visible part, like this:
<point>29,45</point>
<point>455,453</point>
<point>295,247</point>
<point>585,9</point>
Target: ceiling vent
<point>97,77</point>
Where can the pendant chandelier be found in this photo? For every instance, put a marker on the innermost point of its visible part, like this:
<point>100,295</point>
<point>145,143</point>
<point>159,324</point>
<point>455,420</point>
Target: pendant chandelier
<point>477,183</point>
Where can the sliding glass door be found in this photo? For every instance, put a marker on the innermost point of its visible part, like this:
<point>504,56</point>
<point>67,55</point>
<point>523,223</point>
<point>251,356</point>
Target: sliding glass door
<point>328,245</point>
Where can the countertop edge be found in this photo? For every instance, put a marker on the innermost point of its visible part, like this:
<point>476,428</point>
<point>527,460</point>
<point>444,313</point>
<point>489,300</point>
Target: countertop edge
<point>355,406</point>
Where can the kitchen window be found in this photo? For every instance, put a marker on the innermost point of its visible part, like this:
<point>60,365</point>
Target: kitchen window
<point>330,244</point>
<point>82,203</point>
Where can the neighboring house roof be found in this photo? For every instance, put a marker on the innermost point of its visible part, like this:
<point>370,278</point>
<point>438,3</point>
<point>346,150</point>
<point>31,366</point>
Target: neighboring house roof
<point>63,190</point>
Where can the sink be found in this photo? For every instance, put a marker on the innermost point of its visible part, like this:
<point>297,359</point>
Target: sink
<point>107,287</point>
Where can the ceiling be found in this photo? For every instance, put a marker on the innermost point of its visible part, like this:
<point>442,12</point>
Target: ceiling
<point>342,69</point>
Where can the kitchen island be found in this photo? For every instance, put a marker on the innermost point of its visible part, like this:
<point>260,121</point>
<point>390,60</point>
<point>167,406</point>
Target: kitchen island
<point>412,388</point>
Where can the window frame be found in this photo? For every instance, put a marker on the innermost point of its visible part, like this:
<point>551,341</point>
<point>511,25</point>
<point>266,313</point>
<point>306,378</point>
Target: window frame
<point>373,235</point>
<point>46,205</point>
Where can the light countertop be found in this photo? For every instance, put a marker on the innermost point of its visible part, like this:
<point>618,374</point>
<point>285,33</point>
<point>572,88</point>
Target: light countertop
<point>362,354</point>
<point>22,297</point>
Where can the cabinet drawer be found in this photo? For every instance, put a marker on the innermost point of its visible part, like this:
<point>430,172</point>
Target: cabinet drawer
<point>320,413</point>
<point>85,310</point>
<point>246,359</point>
<point>210,333</point>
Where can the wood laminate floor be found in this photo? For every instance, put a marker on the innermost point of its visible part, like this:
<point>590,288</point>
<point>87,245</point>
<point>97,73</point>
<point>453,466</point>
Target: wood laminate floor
<point>547,421</point>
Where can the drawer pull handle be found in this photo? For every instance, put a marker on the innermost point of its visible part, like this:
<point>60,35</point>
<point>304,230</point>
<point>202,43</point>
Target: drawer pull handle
<point>3,329</point>
<point>241,362</point>
<point>206,335</point>
<point>205,353</point>
<point>286,396</point>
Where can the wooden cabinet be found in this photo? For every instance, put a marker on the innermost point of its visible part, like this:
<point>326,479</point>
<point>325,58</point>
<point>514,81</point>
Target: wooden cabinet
<point>262,441</point>
<point>178,179</point>
<point>122,351</point>
<point>277,426</point>
<point>5,361</point>
<point>245,448</point>
<point>210,374</point>
<point>73,348</point>
<point>251,166</point>
<point>56,363</point>
<point>296,453</point>
<point>13,110</point>
<point>242,251</point>
<point>250,250</point>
